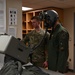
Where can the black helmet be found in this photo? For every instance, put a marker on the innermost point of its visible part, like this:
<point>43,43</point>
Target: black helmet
<point>53,16</point>
<point>50,17</point>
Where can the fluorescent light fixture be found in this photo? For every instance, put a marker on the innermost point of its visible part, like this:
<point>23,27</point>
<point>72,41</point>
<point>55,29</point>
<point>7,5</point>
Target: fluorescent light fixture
<point>26,8</point>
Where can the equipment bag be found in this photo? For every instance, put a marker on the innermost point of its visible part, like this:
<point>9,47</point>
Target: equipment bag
<point>11,68</point>
<point>33,70</point>
<point>15,68</point>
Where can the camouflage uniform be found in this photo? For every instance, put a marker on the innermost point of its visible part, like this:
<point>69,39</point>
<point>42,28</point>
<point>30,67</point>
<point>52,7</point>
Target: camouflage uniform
<point>58,49</point>
<point>32,39</point>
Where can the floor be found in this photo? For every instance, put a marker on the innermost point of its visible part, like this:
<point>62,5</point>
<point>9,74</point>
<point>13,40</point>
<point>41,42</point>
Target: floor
<point>70,73</point>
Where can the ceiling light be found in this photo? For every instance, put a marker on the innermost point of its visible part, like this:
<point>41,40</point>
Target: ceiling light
<point>26,8</point>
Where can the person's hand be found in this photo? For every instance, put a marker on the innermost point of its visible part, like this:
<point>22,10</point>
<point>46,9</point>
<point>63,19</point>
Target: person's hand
<point>45,64</point>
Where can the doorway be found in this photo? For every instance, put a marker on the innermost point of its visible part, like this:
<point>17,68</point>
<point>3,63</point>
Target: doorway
<point>74,42</point>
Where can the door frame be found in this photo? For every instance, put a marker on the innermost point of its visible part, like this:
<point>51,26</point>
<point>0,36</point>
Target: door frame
<point>74,42</point>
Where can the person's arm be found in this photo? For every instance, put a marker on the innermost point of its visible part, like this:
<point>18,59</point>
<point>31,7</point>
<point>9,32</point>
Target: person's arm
<point>25,40</point>
<point>45,64</point>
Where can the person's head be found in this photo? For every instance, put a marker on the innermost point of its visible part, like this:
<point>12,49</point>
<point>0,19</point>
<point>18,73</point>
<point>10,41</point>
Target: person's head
<point>35,22</point>
<point>53,16</point>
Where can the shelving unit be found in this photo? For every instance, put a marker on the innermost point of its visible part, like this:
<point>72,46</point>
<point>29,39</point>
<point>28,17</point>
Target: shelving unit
<point>26,16</point>
<point>26,24</point>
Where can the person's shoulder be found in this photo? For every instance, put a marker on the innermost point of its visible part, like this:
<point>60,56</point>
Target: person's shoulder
<point>31,32</point>
<point>64,32</point>
<point>63,29</point>
<point>42,30</point>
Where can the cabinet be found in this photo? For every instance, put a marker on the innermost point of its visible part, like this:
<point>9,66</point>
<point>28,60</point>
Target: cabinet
<point>26,16</point>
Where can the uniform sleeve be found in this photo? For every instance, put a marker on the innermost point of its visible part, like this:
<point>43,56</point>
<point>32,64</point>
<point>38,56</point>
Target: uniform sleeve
<point>63,40</point>
<point>46,42</point>
<point>26,39</point>
<point>46,39</point>
<point>63,51</point>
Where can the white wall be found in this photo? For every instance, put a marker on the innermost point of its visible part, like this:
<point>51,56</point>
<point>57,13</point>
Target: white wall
<point>69,24</point>
<point>17,4</point>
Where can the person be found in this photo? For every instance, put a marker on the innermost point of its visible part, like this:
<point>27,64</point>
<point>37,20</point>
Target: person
<point>58,44</point>
<point>35,40</point>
